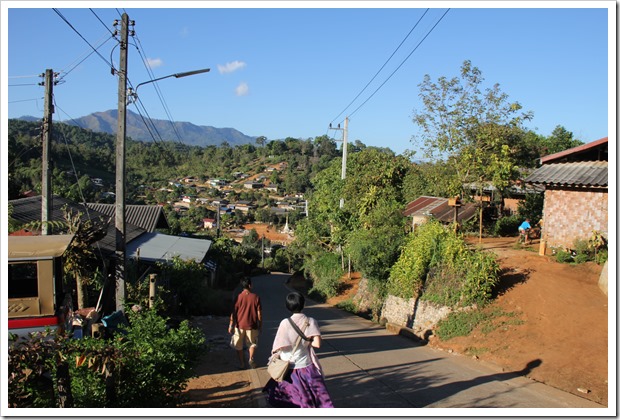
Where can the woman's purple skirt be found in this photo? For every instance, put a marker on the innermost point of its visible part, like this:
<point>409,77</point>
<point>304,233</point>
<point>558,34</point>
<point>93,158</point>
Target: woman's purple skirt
<point>304,388</point>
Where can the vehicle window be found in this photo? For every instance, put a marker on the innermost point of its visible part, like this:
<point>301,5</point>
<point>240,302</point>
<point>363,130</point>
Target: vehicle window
<point>23,280</point>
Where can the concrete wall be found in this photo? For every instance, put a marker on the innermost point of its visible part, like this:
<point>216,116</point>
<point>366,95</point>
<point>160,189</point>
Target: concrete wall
<point>603,279</point>
<point>571,214</point>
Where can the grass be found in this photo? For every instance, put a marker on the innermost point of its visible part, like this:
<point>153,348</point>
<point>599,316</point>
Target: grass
<point>347,305</point>
<point>476,351</point>
<point>459,324</point>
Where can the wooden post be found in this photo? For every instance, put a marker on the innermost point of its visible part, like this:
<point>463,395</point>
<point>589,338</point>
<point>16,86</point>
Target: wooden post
<point>152,290</point>
<point>46,171</point>
<point>480,240</point>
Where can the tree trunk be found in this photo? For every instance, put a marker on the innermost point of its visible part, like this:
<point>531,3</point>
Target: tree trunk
<point>63,386</point>
<point>82,293</point>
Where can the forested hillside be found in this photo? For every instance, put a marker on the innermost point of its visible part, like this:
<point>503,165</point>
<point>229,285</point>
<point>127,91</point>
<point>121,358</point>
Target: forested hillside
<point>90,155</point>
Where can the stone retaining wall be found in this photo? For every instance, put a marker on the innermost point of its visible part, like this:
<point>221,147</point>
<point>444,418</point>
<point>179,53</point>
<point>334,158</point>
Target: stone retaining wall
<point>421,320</point>
<point>418,315</point>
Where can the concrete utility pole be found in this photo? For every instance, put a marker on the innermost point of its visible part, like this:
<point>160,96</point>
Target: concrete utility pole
<point>46,182</point>
<point>120,167</point>
<point>345,134</point>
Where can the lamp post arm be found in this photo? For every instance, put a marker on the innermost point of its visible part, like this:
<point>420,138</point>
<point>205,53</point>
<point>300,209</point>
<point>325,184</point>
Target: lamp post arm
<point>176,75</point>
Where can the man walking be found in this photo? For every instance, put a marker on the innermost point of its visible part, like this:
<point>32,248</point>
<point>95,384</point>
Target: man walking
<point>246,321</point>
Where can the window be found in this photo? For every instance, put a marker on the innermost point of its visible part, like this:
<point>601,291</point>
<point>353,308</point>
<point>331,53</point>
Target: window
<point>23,280</point>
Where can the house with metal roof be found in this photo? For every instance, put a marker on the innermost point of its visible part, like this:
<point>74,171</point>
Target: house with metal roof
<point>147,217</point>
<point>27,210</point>
<point>576,196</point>
<point>153,247</point>
<point>423,208</point>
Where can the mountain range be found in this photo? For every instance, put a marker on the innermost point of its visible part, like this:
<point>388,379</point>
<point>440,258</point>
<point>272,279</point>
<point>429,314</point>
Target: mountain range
<point>158,130</point>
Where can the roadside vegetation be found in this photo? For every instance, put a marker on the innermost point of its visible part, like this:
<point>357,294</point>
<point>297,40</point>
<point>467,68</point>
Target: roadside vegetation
<point>470,137</point>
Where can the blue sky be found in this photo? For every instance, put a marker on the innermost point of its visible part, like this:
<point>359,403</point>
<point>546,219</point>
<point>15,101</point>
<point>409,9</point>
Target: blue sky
<point>288,72</point>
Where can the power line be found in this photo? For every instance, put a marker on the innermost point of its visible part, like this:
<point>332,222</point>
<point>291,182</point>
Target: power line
<point>157,90</point>
<point>104,25</point>
<point>23,84</point>
<point>384,64</point>
<point>25,100</point>
<point>80,35</point>
<point>105,41</point>
<point>401,64</point>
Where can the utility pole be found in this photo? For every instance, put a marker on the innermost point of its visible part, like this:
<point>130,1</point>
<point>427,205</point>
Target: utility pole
<point>46,182</point>
<point>120,167</point>
<point>345,134</point>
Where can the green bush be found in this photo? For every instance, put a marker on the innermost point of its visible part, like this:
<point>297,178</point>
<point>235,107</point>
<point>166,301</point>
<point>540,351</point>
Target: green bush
<point>147,366</point>
<point>347,305</point>
<point>187,281</point>
<point>408,274</point>
<point>325,270</point>
<point>437,265</point>
<point>601,257</point>
<point>563,256</point>
<point>507,226</point>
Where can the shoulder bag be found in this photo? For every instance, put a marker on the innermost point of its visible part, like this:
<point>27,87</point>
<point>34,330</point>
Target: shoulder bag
<point>279,369</point>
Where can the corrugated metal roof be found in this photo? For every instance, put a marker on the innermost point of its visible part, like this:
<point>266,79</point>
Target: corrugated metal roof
<point>578,174</point>
<point>438,208</point>
<point>156,247</point>
<point>28,209</point>
<point>147,217</point>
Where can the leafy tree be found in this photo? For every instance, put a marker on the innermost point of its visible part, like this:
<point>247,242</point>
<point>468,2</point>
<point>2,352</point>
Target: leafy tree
<point>81,260</point>
<point>475,131</point>
<point>559,140</point>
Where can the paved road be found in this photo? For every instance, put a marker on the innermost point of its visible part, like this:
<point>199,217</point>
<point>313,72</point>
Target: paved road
<point>368,367</point>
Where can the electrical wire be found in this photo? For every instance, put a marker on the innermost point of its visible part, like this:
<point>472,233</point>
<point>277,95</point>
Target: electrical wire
<point>66,73</point>
<point>104,25</point>
<point>77,181</point>
<point>81,36</point>
<point>384,64</point>
<point>401,64</point>
<point>157,89</point>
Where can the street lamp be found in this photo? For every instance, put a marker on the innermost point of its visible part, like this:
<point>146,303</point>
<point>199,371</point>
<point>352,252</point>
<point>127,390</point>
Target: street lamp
<point>134,92</point>
<point>120,157</point>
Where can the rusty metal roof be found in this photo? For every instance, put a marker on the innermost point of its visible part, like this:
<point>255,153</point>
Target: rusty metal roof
<point>595,150</point>
<point>438,208</point>
<point>571,174</point>
<point>148,218</point>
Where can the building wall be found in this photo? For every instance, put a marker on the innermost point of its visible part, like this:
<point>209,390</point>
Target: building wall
<point>571,214</point>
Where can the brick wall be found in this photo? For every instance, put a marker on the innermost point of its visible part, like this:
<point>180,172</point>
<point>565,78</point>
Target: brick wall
<point>571,214</point>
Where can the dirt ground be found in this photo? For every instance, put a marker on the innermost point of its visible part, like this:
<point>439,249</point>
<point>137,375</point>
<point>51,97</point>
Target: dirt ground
<point>219,383</point>
<point>559,324</point>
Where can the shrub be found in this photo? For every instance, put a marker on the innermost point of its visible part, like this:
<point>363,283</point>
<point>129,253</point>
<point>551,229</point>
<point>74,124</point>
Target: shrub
<point>187,281</point>
<point>148,366</point>
<point>563,256</point>
<point>601,257</point>
<point>506,226</point>
<point>325,270</point>
<point>408,274</point>
<point>437,265</point>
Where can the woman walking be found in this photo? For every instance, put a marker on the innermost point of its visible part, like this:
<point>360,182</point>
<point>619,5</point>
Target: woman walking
<point>305,387</point>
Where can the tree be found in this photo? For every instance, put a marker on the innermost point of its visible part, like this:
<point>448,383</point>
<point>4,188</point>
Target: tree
<point>560,139</point>
<point>476,132</point>
<point>81,260</point>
